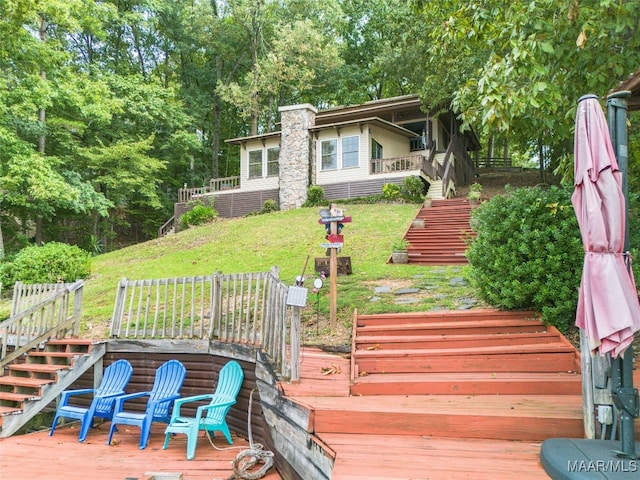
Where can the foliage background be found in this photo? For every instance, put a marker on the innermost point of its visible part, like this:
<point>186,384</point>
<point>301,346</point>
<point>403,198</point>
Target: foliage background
<point>108,108</point>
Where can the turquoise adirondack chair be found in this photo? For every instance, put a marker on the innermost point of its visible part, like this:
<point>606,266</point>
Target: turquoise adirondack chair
<point>166,388</point>
<point>115,379</point>
<point>210,417</point>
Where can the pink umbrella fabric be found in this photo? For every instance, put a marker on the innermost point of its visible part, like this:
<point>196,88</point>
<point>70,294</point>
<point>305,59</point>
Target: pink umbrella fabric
<point>608,308</point>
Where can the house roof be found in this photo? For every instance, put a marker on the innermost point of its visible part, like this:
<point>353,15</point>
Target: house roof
<point>394,110</point>
<point>366,121</point>
<point>263,136</point>
<point>386,113</point>
<point>631,84</point>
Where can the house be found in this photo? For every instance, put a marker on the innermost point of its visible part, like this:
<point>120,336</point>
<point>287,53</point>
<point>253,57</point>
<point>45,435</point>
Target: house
<point>350,151</point>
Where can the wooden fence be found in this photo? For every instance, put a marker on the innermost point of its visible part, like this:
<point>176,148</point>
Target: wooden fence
<point>39,312</point>
<point>247,308</point>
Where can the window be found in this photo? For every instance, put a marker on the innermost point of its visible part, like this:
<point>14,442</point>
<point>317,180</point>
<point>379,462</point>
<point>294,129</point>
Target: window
<point>350,149</point>
<point>273,157</point>
<point>329,154</point>
<point>376,157</point>
<point>255,163</point>
<point>376,150</point>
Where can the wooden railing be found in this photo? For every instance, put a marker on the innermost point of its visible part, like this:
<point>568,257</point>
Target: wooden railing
<point>248,309</point>
<point>493,162</point>
<point>168,226</point>
<point>429,165</point>
<point>215,185</point>
<point>226,183</point>
<point>39,313</point>
<point>396,164</point>
<point>186,194</point>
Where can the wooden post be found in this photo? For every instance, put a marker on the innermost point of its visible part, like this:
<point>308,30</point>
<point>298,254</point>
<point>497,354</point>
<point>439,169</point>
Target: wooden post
<point>333,281</point>
<point>588,407</point>
<point>295,345</point>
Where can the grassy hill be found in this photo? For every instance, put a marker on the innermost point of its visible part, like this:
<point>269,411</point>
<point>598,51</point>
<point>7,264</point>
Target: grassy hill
<point>284,240</point>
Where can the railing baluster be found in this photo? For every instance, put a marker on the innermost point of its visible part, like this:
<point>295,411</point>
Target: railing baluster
<point>247,308</point>
<point>47,315</point>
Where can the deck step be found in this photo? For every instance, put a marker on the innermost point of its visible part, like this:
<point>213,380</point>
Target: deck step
<point>477,315</point>
<point>463,383</point>
<point>381,341</point>
<point>500,417</point>
<point>455,328</point>
<point>17,397</point>
<point>25,381</point>
<point>33,368</point>
<point>421,362</point>
<point>483,352</point>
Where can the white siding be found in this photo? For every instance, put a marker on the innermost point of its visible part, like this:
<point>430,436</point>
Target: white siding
<point>393,145</point>
<point>341,174</point>
<point>255,184</point>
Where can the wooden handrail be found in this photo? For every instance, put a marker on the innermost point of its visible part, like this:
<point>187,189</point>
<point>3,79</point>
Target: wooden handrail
<point>40,322</point>
<point>396,164</point>
<point>226,183</point>
<point>167,226</point>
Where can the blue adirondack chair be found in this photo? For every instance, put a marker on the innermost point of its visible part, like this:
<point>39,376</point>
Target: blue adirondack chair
<point>115,379</point>
<point>210,417</point>
<point>166,388</point>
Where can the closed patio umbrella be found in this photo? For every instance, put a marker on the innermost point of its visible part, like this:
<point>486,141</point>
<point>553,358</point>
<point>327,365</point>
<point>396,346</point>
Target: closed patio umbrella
<point>608,308</point>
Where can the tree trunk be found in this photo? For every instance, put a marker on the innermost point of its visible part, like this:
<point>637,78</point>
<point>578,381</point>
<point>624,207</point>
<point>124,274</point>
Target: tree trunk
<point>255,42</point>
<point>1,244</point>
<point>505,152</point>
<point>490,148</point>
<point>541,159</point>
<point>42,139</point>
<point>217,115</point>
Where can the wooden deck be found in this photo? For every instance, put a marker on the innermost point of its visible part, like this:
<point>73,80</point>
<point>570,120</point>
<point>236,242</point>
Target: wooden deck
<point>390,448</point>
<point>491,429</point>
<point>38,456</point>
<point>383,435</point>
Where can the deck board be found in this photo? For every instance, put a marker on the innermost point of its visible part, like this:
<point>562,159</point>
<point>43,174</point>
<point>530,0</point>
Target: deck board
<point>61,457</point>
<point>392,457</point>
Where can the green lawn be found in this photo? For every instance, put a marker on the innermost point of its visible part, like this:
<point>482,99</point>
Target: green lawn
<point>284,240</point>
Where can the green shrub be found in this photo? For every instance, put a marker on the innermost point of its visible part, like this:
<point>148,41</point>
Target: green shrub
<point>528,253</point>
<point>315,197</point>
<point>413,189</point>
<point>51,263</point>
<point>390,192</point>
<point>269,206</point>
<point>198,215</point>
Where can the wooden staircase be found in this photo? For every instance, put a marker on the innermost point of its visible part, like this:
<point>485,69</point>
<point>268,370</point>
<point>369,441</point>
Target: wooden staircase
<point>468,374</point>
<point>442,239</point>
<point>32,382</point>
<point>442,395</point>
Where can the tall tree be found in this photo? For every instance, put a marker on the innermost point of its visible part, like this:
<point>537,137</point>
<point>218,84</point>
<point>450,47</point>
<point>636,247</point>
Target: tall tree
<point>537,57</point>
<point>288,54</point>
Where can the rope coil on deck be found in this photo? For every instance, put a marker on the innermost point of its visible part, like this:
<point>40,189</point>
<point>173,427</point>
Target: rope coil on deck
<point>247,459</point>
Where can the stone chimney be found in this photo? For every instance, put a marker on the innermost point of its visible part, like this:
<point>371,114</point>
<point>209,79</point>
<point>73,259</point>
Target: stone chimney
<point>295,154</point>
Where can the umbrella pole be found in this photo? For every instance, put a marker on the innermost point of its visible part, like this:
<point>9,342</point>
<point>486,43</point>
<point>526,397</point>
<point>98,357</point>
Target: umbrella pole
<point>625,396</point>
